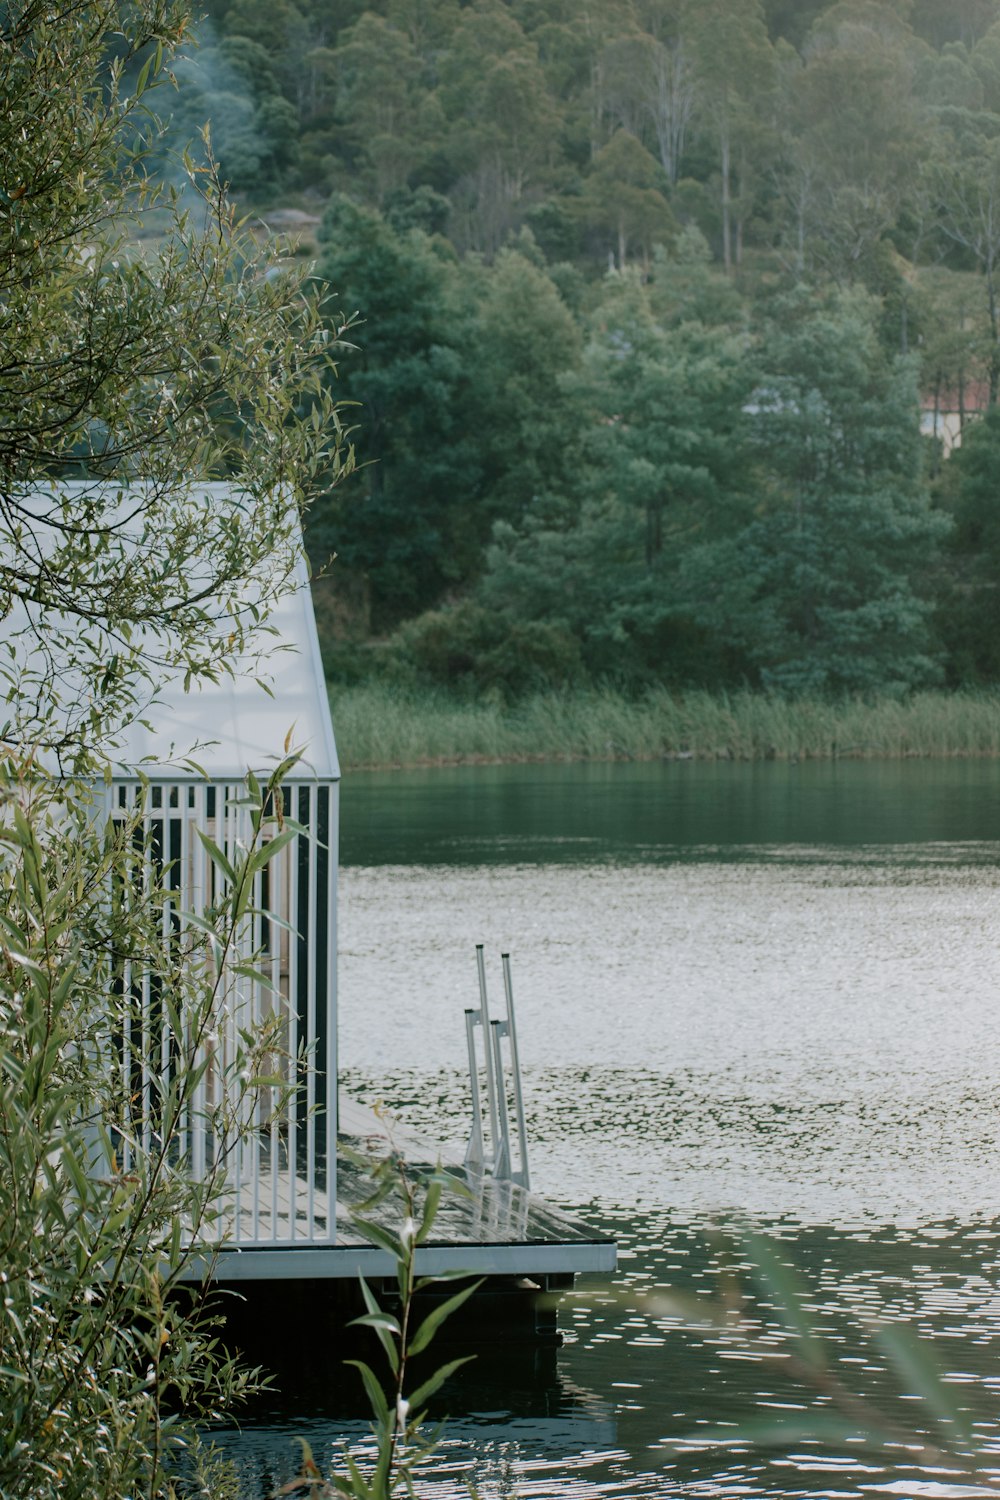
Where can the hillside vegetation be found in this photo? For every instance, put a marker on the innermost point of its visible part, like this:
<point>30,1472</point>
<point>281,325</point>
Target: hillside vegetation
<point>649,294</point>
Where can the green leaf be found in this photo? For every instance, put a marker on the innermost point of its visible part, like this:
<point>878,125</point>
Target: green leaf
<point>782,1285</point>
<point>269,849</point>
<point>376,1396</point>
<point>143,79</point>
<point>431,1202</point>
<point>375,1320</point>
<point>437,1316</point>
<point>370,1300</point>
<point>355,1485</point>
<point>439,1276</point>
<point>436,1381</point>
<point>384,1324</point>
<point>914,1362</point>
<point>256,976</point>
<point>379,1236</point>
<point>80,1180</point>
<point>217,857</point>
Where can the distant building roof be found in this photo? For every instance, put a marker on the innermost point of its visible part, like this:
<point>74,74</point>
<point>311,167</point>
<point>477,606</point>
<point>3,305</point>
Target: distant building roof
<point>973,398</point>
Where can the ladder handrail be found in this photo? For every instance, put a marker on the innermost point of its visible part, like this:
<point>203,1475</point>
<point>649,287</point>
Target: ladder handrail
<point>474,1156</point>
<point>515,1063</point>
<point>494,1032</point>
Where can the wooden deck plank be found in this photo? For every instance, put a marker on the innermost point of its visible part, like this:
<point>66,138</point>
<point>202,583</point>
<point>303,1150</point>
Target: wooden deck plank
<point>487,1226</point>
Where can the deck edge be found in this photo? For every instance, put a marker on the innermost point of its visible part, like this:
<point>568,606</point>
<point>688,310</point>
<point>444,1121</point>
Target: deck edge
<point>340,1262</point>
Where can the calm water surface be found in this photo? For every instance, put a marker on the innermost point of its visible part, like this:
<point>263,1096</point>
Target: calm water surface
<point>761,996</point>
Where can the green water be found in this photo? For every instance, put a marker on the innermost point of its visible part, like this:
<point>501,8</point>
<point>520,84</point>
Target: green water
<point>746,994</point>
<point>559,814</point>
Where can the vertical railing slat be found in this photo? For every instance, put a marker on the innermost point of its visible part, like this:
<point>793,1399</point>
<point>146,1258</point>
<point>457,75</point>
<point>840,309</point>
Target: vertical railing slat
<point>293,1040</point>
<point>311,855</point>
<point>272,1166</point>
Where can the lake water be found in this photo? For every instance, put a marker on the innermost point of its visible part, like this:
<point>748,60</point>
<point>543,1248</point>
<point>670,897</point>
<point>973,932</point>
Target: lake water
<point>762,996</point>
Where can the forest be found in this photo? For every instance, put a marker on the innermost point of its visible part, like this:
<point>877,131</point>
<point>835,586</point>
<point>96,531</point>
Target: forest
<point>675,357</point>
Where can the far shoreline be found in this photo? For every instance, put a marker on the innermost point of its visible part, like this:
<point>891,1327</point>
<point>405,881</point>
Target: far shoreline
<point>381,727</point>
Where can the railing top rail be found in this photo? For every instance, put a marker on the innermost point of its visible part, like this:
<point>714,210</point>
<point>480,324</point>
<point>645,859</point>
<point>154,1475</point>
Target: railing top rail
<point>303,778</point>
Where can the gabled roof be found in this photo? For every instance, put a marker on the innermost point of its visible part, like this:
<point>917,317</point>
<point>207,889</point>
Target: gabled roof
<point>235,725</point>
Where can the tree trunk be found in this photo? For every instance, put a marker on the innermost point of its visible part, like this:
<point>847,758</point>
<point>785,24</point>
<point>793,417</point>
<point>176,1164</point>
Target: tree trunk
<point>727,254</point>
<point>740,208</point>
<point>991,293</point>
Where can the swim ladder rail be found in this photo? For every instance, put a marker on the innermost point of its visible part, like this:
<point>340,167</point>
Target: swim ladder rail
<point>500,1088</point>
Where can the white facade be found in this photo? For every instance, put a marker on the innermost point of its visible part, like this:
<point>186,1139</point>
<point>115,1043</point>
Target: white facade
<point>195,746</point>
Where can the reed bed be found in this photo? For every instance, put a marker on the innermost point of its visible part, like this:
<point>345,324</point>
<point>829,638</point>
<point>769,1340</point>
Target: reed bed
<point>380,727</point>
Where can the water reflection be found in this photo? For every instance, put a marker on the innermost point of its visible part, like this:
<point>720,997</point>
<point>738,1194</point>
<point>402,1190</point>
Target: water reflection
<point>512,1402</point>
<point>608,1413</point>
<point>763,994</point>
<point>557,814</point>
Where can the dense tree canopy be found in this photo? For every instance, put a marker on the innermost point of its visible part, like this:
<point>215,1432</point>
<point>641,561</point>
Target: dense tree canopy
<point>138,355</point>
<point>585,225</point>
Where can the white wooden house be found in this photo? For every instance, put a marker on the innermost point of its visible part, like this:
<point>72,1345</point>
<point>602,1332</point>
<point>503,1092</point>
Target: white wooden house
<point>287,1215</point>
<point>282,1176</point>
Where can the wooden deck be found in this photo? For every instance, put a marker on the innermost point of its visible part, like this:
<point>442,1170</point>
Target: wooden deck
<point>492,1229</point>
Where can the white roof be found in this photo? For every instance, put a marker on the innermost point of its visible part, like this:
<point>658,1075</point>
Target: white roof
<point>235,725</point>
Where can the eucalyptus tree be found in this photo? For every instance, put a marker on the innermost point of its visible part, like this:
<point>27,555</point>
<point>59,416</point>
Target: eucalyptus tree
<point>670,87</point>
<point>648,84</point>
<point>850,117</point>
<point>383,102</point>
<point>427,23</point>
<point>734,68</point>
<point>140,366</point>
<point>959,21</point>
<point>502,121</point>
<point>516,373</point>
<point>966,180</point>
<point>969,605</point>
<point>625,196</point>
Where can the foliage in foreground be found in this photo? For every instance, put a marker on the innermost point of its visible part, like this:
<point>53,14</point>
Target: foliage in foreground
<point>139,373</point>
<point>105,1356</point>
<point>761,1311</point>
<point>839,1417</point>
<point>398,1427</point>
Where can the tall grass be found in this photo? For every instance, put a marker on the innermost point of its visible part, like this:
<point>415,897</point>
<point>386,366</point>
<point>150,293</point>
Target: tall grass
<point>380,727</point>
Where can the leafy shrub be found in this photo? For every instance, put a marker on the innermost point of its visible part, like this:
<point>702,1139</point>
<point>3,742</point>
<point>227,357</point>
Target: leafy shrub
<point>473,648</point>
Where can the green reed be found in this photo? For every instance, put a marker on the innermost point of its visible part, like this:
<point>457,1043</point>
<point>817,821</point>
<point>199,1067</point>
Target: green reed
<point>379,726</point>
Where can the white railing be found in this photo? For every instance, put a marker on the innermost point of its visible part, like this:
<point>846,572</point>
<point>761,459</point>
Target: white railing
<point>274,1143</point>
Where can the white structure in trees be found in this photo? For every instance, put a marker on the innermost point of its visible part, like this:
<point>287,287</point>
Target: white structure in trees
<point>282,1174</point>
<point>180,770</point>
<point>181,765</point>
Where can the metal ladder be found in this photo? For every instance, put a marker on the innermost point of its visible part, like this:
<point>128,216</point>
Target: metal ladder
<point>493,1152</point>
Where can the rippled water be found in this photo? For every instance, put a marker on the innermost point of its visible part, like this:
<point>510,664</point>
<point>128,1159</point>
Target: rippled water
<point>759,995</point>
